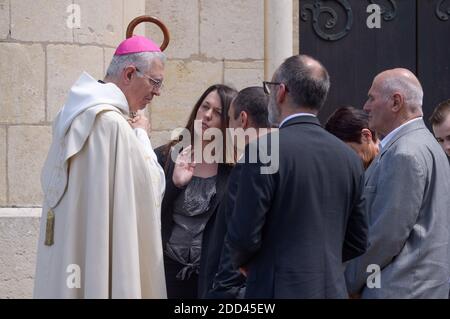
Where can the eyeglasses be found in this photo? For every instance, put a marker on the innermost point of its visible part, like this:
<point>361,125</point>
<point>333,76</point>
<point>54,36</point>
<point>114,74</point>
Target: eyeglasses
<point>157,84</point>
<point>266,86</point>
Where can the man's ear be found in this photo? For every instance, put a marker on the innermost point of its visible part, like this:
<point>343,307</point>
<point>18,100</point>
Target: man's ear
<point>281,93</point>
<point>366,135</point>
<point>398,102</point>
<point>244,119</point>
<point>127,74</point>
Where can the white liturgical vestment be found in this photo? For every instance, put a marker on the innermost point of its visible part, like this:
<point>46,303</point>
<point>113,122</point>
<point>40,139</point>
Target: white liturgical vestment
<point>104,188</point>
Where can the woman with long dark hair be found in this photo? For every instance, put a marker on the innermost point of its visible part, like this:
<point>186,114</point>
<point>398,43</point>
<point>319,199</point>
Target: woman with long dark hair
<point>194,188</point>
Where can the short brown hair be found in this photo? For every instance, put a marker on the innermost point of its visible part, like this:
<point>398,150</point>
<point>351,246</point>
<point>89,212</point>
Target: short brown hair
<point>346,123</point>
<point>440,113</point>
<point>253,101</point>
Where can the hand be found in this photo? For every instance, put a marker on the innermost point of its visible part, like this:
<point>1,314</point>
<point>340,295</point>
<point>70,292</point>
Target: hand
<point>184,168</point>
<point>243,270</point>
<point>140,121</point>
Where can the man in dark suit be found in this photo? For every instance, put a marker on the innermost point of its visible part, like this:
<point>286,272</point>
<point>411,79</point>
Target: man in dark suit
<point>248,119</point>
<point>293,228</point>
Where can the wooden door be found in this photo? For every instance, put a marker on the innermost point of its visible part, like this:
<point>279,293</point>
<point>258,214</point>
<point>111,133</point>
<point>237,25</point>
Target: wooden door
<point>433,52</point>
<point>413,34</point>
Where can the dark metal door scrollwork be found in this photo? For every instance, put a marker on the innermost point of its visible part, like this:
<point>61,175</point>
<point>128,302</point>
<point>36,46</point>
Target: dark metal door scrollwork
<point>317,7</point>
<point>442,14</point>
<point>388,15</point>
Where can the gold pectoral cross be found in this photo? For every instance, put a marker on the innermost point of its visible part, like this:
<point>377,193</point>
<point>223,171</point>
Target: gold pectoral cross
<point>50,229</point>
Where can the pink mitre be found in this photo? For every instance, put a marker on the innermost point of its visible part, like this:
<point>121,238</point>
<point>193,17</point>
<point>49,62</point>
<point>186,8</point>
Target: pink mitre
<point>136,44</point>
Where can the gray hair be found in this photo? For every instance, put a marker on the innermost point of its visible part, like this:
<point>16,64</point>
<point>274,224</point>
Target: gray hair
<point>141,60</point>
<point>413,92</point>
<point>308,85</point>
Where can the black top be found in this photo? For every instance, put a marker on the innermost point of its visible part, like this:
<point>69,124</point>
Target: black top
<point>206,271</point>
<point>191,214</point>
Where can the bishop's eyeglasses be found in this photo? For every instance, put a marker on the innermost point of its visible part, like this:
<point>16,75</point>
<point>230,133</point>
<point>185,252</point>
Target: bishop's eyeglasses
<point>157,84</point>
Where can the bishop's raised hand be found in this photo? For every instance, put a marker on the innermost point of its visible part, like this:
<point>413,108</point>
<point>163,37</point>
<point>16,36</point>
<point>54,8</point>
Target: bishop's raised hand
<point>140,121</point>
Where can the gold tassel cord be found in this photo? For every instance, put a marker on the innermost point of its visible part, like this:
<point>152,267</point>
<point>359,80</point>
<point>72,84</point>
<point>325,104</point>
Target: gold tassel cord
<point>50,230</point>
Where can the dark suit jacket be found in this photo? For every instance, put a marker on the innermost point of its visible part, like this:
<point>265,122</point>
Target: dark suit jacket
<point>228,282</point>
<point>207,270</point>
<point>294,228</point>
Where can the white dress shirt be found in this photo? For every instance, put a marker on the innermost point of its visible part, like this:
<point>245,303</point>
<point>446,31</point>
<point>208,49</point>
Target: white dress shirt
<point>392,134</point>
<point>295,115</point>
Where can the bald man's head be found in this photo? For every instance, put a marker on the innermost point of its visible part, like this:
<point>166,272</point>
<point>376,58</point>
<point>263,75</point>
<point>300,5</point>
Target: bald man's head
<point>404,82</point>
<point>307,81</point>
<point>394,98</point>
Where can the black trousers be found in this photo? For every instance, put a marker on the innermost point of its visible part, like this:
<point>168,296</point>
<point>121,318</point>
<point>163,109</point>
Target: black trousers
<point>176,288</point>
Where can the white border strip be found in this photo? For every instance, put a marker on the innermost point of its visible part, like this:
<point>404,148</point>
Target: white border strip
<point>20,212</point>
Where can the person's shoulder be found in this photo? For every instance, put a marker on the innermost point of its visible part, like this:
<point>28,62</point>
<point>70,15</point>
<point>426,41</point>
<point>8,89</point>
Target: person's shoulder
<point>161,149</point>
<point>412,143</point>
<point>420,148</point>
<point>110,119</point>
<point>112,124</point>
<point>109,116</point>
<point>162,152</point>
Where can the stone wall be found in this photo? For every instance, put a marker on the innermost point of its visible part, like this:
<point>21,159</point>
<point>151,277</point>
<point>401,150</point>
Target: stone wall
<point>212,41</point>
<point>19,229</point>
<point>40,58</point>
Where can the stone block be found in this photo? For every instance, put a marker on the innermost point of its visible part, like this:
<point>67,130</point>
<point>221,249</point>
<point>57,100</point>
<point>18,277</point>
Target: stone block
<point>27,151</point>
<point>243,74</point>
<point>101,22</point>
<point>108,54</point>
<point>22,83</point>
<point>232,29</point>
<point>3,166</point>
<point>181,18</point>
<point>4,19</point>
<point>41,20</point>
<point>18,246</point>
<point>184,83</point>
<point>131,10</point>
<point>65,64</point>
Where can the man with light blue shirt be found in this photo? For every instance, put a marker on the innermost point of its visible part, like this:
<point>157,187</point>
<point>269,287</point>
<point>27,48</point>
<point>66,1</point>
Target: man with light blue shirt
<point>407,189</point>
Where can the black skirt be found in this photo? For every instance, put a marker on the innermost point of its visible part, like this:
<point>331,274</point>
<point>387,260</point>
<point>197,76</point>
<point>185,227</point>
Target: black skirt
<point>176,288</point>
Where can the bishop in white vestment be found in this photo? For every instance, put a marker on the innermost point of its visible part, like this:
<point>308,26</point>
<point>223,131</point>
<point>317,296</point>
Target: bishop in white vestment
<point>100,234</point>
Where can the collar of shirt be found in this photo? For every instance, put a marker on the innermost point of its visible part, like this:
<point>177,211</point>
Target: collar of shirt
<point>294,115</point>
<point>392,134</point>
